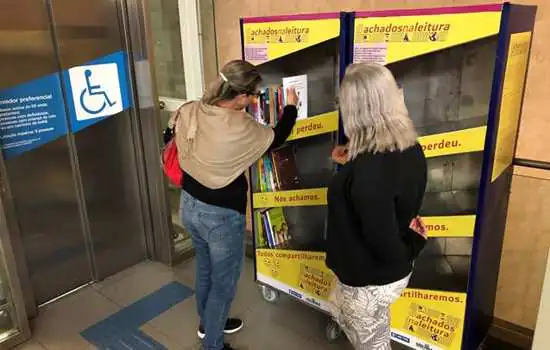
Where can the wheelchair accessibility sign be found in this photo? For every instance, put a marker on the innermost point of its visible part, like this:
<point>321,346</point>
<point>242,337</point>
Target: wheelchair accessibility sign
<point>97,90</point>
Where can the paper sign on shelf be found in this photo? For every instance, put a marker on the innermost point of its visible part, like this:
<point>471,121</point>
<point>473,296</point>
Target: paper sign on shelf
<point>312,126</point>
<point>454,142</point>
<point>299,83</point>
<point>267,41</point>
<point>386,40</point>
<point>510,106</point>
<point>294,198</point>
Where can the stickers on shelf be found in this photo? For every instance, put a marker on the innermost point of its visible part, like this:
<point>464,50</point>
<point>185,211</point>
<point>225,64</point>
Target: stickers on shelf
<point>266,39</point>
<point>454,142</point>
<point>313,126</point>
<point>294,198</point>
<point>385,37</point>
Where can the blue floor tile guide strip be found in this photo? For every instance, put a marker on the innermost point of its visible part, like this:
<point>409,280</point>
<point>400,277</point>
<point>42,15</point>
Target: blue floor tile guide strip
<point>121,330</point>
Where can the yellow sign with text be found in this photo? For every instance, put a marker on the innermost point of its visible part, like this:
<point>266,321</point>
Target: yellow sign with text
<point>421,319</point>
<point>386,40</point>
<point>302,271</point>
<point>313,126</point>
<point>454,142</point>
<point>267,41</point>
<point>424,318</point>
<point>510,106</point>
<point>294,198</point>
<point>450,226</point>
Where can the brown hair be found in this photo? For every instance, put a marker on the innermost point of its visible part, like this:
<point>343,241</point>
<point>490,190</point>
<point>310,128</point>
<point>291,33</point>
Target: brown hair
<point>236,77</point>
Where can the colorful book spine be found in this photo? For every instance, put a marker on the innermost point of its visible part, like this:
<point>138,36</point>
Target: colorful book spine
<point>260,232</point>
<point>269,235</point>
<point>269,173</point>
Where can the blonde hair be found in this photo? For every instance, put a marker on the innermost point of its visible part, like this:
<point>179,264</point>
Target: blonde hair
<point>374,113</point>
<point>236,77</point>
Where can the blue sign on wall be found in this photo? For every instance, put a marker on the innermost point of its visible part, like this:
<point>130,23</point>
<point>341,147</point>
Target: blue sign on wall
<point>33,113</point>
<point>97,90</point>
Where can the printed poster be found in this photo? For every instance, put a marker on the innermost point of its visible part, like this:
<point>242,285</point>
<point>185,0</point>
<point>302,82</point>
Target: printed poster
<point>386,40</point>
<point>510,107</point>
<point>421,319</point>
<point>267,41</point>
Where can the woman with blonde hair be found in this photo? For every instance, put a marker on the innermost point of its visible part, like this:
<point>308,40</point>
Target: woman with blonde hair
<point>373,234</point>
<point>217,142</point>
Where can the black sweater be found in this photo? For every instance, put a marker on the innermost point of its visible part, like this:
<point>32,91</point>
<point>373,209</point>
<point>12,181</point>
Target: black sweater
<point>233,196</point>
<point>371,202</point>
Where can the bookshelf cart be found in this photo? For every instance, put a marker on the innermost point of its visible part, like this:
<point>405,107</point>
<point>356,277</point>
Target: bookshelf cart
<point>289,185</point>
<point>463,71</point>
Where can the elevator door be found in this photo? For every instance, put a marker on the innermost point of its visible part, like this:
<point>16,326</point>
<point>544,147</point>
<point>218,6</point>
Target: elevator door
<point>77,193</point>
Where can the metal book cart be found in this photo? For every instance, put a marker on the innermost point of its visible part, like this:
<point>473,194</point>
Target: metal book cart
<point>463,85</point>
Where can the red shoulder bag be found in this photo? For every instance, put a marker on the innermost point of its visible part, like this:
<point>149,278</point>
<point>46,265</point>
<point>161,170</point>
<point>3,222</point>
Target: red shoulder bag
<point>170,162</point>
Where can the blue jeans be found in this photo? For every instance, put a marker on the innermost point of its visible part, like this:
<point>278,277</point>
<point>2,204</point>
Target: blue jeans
<point>218,238</point>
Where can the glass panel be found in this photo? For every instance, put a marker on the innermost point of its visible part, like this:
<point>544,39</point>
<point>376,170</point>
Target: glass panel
<point>170,79</point>
<point>165,25</point>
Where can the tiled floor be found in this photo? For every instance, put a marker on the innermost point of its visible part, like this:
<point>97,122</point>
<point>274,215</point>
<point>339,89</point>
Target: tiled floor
<point>286,325</point>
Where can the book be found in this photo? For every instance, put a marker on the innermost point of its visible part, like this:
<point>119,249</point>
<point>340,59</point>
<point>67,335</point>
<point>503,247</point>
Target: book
<point>268,231</point>
<point>299,83</point>
<point>285,168</point>
<point>278,226</point>
<point>275,233</point>
<point>261,241</point>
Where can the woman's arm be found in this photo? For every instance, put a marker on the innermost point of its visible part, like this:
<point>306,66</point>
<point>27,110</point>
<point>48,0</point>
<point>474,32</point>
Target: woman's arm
<point>284,127</point>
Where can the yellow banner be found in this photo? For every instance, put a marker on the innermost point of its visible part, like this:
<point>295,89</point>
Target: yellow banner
<point>454,142</point>
<point>304,275</point>
<point>450,226</point>
<point>419,319</point>
<point>313,126</point>
<point>386,40</point>
<point>295,198</point>
<point>267,41</point>
<point>422,319</point>
<point>510,106</point>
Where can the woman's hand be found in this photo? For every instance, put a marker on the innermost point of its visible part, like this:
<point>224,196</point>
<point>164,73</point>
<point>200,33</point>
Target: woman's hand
<point>418,226</point>
<point>340,154</point>
<point>291,97</point>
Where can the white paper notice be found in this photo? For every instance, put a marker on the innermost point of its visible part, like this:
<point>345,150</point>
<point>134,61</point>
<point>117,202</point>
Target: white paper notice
<point>299,83</point>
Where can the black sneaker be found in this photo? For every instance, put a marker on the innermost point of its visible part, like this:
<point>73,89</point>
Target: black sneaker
<point>232,325</point>
<point>228,347</point>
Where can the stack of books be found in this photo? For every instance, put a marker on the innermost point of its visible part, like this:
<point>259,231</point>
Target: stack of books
<point>268,107</point>
<point>272,229</point>
<point>277,171</point>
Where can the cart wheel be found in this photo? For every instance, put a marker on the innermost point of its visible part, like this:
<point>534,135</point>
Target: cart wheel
<point>270,295</point>
<point>333,332</point>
